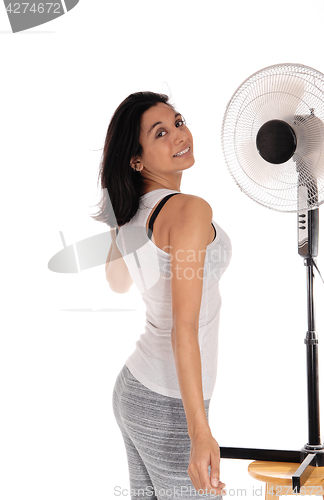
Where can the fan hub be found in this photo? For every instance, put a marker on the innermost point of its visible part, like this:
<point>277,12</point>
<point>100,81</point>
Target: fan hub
<point>276,141</point>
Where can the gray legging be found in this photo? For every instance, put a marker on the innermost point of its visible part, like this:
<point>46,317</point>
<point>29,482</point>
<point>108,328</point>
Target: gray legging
<point>154,429</point>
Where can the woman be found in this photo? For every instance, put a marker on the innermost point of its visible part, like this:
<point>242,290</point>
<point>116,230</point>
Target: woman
<point>161,396</point>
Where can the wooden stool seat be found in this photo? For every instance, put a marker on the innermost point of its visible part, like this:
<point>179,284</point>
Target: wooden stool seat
<point>277,476</point>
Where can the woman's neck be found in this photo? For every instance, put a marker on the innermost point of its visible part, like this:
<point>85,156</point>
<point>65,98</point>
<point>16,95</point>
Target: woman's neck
<point>150,185</point>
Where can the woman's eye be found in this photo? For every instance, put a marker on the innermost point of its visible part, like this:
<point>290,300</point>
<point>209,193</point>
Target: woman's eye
<point>179,123</point>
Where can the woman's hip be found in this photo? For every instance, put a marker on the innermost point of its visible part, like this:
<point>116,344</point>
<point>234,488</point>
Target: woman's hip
<point>138,406</point>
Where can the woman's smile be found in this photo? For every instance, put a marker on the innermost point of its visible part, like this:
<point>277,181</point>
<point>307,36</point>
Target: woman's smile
<point>184,153</point>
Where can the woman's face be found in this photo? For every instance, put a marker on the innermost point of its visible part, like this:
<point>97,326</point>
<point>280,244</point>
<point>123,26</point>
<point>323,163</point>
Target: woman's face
<point>166,141</point>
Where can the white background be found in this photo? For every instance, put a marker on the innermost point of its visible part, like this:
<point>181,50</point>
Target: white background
<point>62,340</point>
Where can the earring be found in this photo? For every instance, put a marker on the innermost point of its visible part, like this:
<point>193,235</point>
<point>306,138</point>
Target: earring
<point>131,165</point>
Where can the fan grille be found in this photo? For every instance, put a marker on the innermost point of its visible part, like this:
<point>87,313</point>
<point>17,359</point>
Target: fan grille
<point>292,93</point>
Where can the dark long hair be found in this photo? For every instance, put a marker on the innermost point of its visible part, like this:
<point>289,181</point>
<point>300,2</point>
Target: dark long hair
<point>122,185</point>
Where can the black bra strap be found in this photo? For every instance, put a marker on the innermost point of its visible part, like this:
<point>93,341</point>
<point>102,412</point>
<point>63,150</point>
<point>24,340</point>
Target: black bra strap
<point>155,214</point>
<point>156,211</point>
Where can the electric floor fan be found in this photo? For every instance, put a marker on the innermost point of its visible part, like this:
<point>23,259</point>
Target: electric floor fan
<point>273,142</point>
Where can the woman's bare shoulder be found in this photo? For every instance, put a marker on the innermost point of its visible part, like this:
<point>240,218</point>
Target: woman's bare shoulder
<point>188,200</point>
<point>189,205</point>
<point>187,215</point>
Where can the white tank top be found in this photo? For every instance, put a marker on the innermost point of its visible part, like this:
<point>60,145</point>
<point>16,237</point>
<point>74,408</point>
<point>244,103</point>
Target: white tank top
<point>152,362</point>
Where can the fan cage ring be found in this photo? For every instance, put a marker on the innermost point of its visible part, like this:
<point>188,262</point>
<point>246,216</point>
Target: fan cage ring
<point>295,94</point>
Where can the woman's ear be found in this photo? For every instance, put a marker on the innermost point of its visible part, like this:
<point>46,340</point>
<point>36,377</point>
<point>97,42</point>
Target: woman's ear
<point>136,164</point>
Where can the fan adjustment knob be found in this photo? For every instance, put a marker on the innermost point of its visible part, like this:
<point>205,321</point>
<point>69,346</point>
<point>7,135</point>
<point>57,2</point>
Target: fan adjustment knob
<point>276,141</point>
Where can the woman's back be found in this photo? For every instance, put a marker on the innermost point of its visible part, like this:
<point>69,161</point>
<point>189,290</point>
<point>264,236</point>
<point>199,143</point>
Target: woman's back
<point>149,264</point>
<point>162,225</point>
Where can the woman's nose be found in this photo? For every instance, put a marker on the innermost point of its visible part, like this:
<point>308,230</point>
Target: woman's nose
<point>180,135</point>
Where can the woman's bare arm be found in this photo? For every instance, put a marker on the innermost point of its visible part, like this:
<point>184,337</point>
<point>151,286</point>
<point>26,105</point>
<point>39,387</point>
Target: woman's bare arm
<point>117,273</point>
<point>189,236</point>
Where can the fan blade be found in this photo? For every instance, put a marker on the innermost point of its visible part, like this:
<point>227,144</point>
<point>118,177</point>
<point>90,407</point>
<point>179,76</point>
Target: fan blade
<point>289,93</point>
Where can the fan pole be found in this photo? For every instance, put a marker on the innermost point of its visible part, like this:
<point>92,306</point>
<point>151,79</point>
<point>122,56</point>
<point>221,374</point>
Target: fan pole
<point>311,341</point>
<point>308,229</point>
